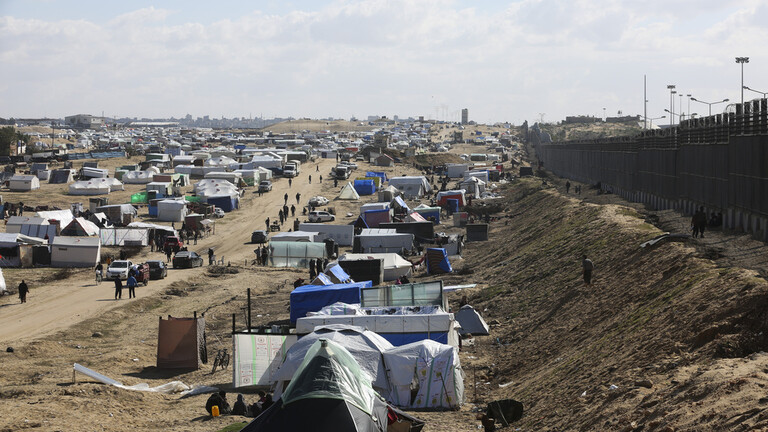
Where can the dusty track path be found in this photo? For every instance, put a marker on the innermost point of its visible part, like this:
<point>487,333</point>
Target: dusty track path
<point>56,306</point>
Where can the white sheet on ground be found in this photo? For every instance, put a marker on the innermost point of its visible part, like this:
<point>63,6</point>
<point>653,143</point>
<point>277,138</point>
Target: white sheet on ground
<point>173,387</point>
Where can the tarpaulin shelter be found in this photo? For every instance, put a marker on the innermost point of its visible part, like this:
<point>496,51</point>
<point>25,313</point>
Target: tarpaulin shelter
<point>471,321</point>
<point>365,187</point>
<point>375,217</point>
<point>365,346</point>
<point>429,213</point>
<point>412,187</point>
<point>394,265</point>
<point>227,203</point>
<point>295,254</point>
<point>23,183</point>
<point>452,194</point>
<point>382,240</point>
<point>430,368</point>
<point>388,194</point>
<point>312,298</point>
<point>75,251</point>
<point>421,229</point>
<point>171,210</point>
<point>61,176</point>
<point>181,343</point>
<point>80,227</point>
<point>437,261</point>
<point>379,174</point>
<point>297,236</point>
<point>329,392</point>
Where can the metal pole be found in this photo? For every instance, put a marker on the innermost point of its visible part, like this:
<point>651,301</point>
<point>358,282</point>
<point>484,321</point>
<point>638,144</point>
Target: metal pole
<point>645,102</point>
<point>249,310</point>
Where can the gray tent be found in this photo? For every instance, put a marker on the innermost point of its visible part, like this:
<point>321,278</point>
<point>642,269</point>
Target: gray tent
<point>471,321</point>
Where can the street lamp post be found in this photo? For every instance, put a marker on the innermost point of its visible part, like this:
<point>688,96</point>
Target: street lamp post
<point>671,88</point>
<point>647,119</point>
<point>709,103</point>
<point>741,61</point>
<point>680,108</point>
<point>765,94</point>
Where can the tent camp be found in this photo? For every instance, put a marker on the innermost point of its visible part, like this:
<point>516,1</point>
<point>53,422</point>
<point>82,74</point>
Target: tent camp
<point>140,177</point>
<point>330,391</point>
<point>425,375</point>
<point>312,298</point>
<point>75,251</point>
<point>348,192</point>
<point>181,343</point>
<point>365,346</point>
<point>471,321</point>
<point>23,183</point>
<point>80,227</point>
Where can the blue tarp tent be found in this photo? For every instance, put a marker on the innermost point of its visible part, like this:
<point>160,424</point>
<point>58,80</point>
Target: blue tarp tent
<point>401,203</point>
<point>383,175</point>
<point>365,187</point>
<point>453,205</point>
<point>437,261</point>
<point>312,298</point>
<point>224,202</point>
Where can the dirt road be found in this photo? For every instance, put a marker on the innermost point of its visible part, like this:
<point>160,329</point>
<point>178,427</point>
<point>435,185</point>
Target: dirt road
<point>59,305</point>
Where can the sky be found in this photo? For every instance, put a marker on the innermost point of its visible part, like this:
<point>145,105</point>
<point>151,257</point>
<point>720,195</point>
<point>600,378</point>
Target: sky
<point>505,61</point>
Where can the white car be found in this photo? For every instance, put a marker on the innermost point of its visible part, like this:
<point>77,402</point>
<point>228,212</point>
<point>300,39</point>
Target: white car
<point>351,165</point>
<point>119,269</point>
<point>318,201</point>
<point>320,216</point>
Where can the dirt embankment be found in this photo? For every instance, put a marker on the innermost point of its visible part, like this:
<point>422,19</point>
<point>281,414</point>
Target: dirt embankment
<point>663,340</point>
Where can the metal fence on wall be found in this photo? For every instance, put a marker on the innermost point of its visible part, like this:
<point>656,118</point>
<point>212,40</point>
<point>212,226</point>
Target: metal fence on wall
<point>719,162</point>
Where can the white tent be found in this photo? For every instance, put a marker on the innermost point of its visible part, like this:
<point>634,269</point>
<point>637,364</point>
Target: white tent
<point>63,216</point>
<point>214,187</point>
<point>297,236</point>
<point>411,186</point>
<point>90,172</point>
<point>23,183</point>
<point>471,321</point>
<point>171,210</point>
<point>432,369</point>
<point>348,192</point>
<point>2,282</point>
<point>395,266</point>
<point>140,177</point>
<point>75,251</point>
<point>364,345</point>
<point>90,187</point>
<point>220,161</point>
<point>473,186</point>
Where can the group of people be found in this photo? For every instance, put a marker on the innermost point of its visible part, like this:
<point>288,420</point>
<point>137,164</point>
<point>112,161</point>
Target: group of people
<point>576,189</point>
<point>240,408</point>
<point>10,209</point>
<point>262,255</point>
<point>316,266</point>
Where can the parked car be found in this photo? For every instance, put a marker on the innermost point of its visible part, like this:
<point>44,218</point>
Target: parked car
<point>118,270</point>
<point>321,216</point>
<point>265,186</point>
<point>218,212</point>
<point>174,242</point>
<point>259,236</point>
<point>187,259</point>
<point>318,201</point>
<point>157,269</point>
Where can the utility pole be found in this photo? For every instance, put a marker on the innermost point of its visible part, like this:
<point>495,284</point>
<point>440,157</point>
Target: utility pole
<point>645,103</point>
<point>742,60</point>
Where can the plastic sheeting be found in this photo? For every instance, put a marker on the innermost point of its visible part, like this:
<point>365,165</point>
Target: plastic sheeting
<point>295,254</point>
<point>173,387</point>
<point>312,298</point>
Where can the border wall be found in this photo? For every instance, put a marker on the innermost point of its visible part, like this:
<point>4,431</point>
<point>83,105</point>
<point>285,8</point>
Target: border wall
<point>719,162</point>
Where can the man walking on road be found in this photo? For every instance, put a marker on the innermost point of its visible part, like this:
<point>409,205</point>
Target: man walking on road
<point>118,288</point>
<point>587,266</point>
<point>310,179</point>
<point>286,198</point>
<point>23,290</point>
<point>298,197</point>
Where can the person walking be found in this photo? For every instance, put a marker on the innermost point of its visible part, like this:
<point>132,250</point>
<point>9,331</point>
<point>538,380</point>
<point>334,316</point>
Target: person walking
<point>118,288</point>
<point>586,269</point>
<point>197,234</point>
<point>266,221</point>
<point>210,256</point>
<point>290,182</point>
<point>280,215</point>
<point>317,168</point>
<point>310,179</point>
<point>298,198</point>
<point>567,186</point>
<point>23,290</point>
<point>293,210</point>
<point>699,222</point>
<point>131,282</point>
<point>168,252</point>
<point>312,270</point>
<point>321,179</point>
<point>286,198</point>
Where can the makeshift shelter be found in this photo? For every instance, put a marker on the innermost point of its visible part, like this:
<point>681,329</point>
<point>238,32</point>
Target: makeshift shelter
<point>256,357</point>
<point>295,254</point>
<point>19,250</point>
<point>384,161</point>
<point>425,375</point>
<point>297,236</point>
<point>330,391</point>
<point>375,217</point>
<point>226,202</point>
<point>437,261</point>
<point>235,178</point>
<point>121,214</point>
<point>477,232</point>
<point>365,187</point>
<point>388,194</point>
<point>471,321</point>
<point>89,187</point>
<point>94,173</point>
<point>140,177</point>
<point>80,227</point>
<point>23,183</point>
<point>444,196</point>
<point>348,192</point>
<point>333,274</point>
<point>453,170</point>
<point>429,213</point>
<point>181,343</point>
<point>171,210</point>
<point>411,186</point>
<point>394,266</point>
<point>365,346</point>
<point>61,176</point>
<point>75,251</point>
<point>312,298</point>
<point>422,230</point>
<point>382,240</point>
<point>473,186</point>
<point>343,235</point>
<point>162,189</point>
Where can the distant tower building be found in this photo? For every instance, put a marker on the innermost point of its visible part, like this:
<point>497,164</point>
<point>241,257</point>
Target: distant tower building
<point>464,116</point>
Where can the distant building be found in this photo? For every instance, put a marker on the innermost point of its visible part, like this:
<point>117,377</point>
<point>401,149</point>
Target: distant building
<point>465,116</point>
<point>581,119</point>
<point>623,119</point>
<point>84,121</point>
